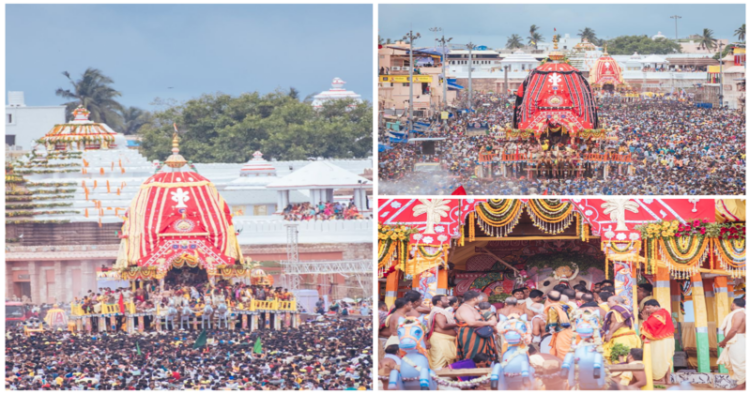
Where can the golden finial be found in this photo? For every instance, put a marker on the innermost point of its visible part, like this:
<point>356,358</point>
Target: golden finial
<point>605,49</point>
<point>175,160</point>
<point>555,54</point>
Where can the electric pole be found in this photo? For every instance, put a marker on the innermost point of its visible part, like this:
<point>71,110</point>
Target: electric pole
<point>675,17</point>
<point>442,41</point>
<point>411,37</point>
<point>471,46</point>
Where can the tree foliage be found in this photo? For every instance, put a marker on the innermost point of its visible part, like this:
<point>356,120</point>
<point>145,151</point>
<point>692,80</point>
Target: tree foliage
<point>133,118</point>
<point>534,36</point>
<point>740,33</point>
<point>514,42</point>
<point>627,45</point>
<point>224,129</point>
<point>94,92</point>
<point>590,35</point>
<point>707,40</point>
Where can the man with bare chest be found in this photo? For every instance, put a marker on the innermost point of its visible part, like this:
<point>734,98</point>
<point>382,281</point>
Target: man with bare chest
<point>511,307</point>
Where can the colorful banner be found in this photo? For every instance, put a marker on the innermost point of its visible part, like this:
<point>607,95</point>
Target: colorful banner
<point>405,78</point>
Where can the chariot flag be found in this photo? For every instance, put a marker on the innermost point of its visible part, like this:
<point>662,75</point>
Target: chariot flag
<point>201,341</point>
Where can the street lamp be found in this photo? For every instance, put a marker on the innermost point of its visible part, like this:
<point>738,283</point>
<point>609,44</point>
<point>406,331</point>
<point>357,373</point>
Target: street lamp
<point>675,17</point>
<point>442,41</point>
<point>411,36</point>
<point>721,77</point>
<point>471,46</point>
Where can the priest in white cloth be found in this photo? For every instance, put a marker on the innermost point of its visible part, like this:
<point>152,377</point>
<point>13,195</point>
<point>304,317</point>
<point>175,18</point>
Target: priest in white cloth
<point>733,355</point>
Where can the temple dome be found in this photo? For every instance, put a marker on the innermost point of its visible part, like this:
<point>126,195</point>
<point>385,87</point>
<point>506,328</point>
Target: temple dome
<point>82,133</point>
<point>606,71</point>
<point>337,92</point>
<point>555,93</point>
<point>178,218</point>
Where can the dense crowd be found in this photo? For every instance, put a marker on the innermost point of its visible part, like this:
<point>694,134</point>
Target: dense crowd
<point>320,355</point>
<point>454,341</point>
<point>677,149</point>
<point>323,211</point>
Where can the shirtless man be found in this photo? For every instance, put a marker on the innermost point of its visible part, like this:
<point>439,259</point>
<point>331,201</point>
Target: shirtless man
<point>401,309</point>
<point>538,322</point>
<point>633,380</point>
<point>418,308</point>
<point>734,343</point>
<point>511,306</point>
<point>520,295</point>
<point>442,338</point>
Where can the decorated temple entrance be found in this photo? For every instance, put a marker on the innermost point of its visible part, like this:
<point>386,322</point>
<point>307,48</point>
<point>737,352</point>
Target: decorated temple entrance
<point>684,254</point>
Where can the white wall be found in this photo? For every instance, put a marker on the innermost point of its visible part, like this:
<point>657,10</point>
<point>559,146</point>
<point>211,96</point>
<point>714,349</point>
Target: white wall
<point>31,123</point>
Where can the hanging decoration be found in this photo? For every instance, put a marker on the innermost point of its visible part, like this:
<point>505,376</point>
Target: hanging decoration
<point>685,247</point>
<point>393,248</point>
<point>498,217</point>
<point>426,258</point>
<point>551,216</point>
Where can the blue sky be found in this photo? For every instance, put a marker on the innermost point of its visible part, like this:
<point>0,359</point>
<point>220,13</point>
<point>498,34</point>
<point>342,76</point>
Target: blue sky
<point>492,24</point>
<point>194,49</point>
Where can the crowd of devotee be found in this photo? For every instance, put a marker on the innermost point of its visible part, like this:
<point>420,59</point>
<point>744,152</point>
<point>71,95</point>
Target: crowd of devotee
<point>454,338</point>
<point>322,354</point>
<point>323,211</point>
<point>676,149</point>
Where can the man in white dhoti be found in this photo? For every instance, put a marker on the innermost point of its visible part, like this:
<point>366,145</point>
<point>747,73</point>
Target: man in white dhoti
<point>733,355</point>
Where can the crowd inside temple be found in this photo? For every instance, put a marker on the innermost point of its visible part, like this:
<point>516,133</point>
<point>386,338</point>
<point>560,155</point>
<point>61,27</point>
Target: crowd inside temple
<point>457,334</point>
<point>676,149</point>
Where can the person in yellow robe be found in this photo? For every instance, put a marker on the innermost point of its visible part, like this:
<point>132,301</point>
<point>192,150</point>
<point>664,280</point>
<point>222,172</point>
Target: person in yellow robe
<point>618,327</point>
<point>659,330</point>
<point>558,322</point>
<point>633,380</point>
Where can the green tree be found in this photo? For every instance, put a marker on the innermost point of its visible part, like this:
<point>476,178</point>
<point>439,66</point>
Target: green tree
<point>707,40</point>
<point>133,118</point>
<point>514,42</point>
<point>294,93</point>
<point>94,92</point>
<point>383,41</point>
<point>224,129</point>
<point>627,45</point>
<point>534,36</point>
<point>589,34</point>
<point>740,33</point>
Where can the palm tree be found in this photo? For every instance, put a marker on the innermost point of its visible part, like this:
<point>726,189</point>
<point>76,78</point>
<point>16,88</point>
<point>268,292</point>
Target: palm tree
<point>133,118</point>
<point>589,34</point>
<point>534,36</point>
<point>94,93</point>
<point>740,33</point>
<point>514,42</point>
<point>707,40</point>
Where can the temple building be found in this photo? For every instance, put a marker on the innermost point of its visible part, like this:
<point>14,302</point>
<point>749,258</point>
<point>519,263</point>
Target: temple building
<point>66,204</point>
<point>336,92</point>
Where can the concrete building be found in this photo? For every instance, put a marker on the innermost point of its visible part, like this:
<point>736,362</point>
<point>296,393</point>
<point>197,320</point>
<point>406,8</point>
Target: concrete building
<point>56,255</point>
<point>24,125</point>
<point>393,81</point>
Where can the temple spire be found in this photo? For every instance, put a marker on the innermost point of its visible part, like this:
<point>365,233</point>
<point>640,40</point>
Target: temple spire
<point>175,160</point>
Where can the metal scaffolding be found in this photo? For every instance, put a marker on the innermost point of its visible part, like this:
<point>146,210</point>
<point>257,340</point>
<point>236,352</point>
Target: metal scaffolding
<point>293,269</point>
